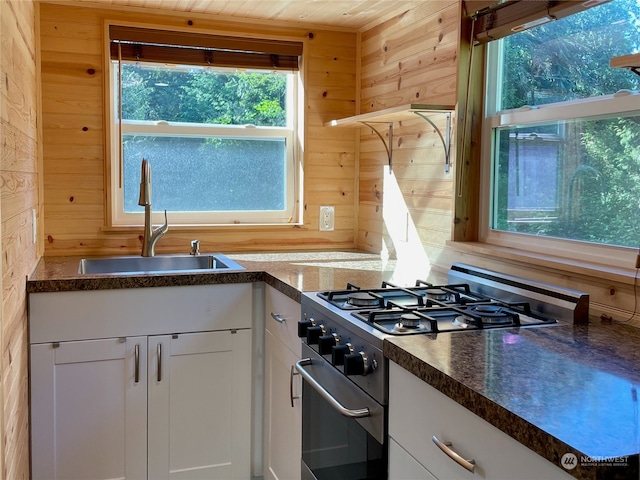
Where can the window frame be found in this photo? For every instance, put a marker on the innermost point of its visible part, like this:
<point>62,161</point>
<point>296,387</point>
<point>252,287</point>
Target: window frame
<point>605,106</point>
<point>115,215</point>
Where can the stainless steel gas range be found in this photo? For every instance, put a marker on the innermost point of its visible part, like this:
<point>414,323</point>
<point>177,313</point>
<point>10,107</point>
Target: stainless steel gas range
<point>345,388</point>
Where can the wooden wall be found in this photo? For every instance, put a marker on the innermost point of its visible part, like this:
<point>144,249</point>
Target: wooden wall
<point>18,198</point>
<point>412,214</point>
<point>409,59</point>
<point>74,158</point>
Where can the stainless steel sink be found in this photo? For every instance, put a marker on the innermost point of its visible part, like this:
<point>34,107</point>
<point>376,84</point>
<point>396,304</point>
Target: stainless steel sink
<point>157,264</point>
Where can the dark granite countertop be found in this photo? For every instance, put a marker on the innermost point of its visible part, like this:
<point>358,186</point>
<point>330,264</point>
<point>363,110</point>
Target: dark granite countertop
<point>556,389</point>
<point>291,273</point>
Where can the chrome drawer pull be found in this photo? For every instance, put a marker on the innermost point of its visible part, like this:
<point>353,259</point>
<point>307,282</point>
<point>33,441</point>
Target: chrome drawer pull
<point>278,318</point>
<point>136,361</point>
<point>359,413</point>
<point>446,448</point>
<point>293,372</point>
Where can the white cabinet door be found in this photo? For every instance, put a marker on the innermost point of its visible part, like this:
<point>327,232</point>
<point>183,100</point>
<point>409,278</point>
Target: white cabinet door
<point>199,405</point>
<point>283,421</point>
<point>88,409</point>
<point>403,466</point>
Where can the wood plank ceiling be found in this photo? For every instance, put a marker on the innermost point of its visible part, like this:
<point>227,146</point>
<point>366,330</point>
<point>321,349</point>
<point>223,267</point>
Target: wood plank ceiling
<point>356,15</point>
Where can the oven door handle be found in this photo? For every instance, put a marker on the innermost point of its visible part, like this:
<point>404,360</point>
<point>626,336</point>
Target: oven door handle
<point>347,412</point>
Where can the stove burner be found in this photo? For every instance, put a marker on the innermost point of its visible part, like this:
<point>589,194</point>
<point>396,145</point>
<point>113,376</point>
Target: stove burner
<point>437,294</point>
<point>493,314</point>
<point>463,321</point>
<point>497,319</point>
<point>486,315</point>
<point>409,320</point>
<point>487,308</point>
<point>400,328</point>
<point>362,299</point>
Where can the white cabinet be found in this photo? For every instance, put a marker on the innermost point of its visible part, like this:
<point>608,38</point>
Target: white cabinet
<point>88,409</point>
<point>283,415</point>
<point>199,420</point>
<point>403,466</point>
<point>417,412</point>
<point>162,392</point>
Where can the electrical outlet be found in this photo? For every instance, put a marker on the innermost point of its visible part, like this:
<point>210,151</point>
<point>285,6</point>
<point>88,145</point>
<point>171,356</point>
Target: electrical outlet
<point>327,215</point>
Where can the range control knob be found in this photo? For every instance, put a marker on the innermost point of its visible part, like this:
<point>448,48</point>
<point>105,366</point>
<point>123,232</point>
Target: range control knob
<point>327,342</point>
<point>303,325</point>
<point>356,364</point>
<point>314,334</point>
<point>338,353</point>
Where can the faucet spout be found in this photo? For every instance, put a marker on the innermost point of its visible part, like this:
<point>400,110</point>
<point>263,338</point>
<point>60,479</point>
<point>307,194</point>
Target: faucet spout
<point>150,235</point>
<point>145,184</point>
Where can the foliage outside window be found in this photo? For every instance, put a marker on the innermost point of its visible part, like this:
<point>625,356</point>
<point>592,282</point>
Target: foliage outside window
<point>221,143</point>
<point>565,146</point>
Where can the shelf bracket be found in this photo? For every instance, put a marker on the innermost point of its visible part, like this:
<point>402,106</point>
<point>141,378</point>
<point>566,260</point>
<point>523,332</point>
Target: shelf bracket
<point>446,139</point>
<point>388,146</point>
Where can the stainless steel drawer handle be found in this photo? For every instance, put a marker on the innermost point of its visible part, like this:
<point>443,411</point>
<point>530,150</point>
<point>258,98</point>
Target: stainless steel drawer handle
<point>446,448</point>
<point>278,318</point>
<point>347,412</point>
<point>136,361</point>
<point>296,397</point>
<point>159,352</point>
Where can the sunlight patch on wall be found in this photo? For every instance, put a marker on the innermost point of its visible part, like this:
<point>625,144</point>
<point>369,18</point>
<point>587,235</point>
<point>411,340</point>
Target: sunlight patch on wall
<point>412,260</point>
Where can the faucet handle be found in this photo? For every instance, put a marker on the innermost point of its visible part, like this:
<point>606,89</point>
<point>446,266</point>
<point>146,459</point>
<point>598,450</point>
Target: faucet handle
<point>195,247</point>
<point>162,229</point>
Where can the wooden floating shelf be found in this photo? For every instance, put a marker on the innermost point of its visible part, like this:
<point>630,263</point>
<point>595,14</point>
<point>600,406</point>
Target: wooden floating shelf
<point>390,115</point>
<point>631,62</point>
<point>396,114</point>
<point>626,61</point>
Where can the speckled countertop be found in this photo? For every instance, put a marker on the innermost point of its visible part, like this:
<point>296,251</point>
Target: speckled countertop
<point>556,389</point>
<point>291,273</point>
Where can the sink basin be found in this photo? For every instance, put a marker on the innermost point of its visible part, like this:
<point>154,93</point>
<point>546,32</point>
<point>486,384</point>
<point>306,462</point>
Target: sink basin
<point>159,263</point>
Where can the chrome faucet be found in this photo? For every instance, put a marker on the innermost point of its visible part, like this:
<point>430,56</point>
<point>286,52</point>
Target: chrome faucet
<point>195,247</point>
<point>150,236</point>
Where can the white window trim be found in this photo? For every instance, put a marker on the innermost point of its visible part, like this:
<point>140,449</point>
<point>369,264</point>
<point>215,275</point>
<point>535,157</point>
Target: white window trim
<point>291,215</point>
<point>590,108</point>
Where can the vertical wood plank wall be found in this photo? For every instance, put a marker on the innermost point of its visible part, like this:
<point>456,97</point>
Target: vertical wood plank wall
<point>408,59</point>
<point>18,196</point>
<point>73,107</point>
<point>414,58</point>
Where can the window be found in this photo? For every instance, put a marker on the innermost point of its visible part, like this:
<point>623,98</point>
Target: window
<point>221,139</point>
<point>564,135</point>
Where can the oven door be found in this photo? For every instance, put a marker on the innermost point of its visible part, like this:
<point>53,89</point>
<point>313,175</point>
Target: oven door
<point>343,428</point>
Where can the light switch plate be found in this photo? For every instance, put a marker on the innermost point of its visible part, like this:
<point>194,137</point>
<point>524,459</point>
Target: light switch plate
<point>327,215</point>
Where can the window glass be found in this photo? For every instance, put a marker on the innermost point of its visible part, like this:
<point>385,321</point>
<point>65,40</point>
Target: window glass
<point>192,94</point>
<point>578,179</point>
<point>207,174</point>
<point>565,148</point>
<point>569,59</point>
<point>220,143</point>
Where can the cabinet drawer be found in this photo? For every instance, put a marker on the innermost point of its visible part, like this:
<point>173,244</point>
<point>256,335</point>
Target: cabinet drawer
<point>497,456</point>
<point>403,466</point>
<point>282,315</point>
